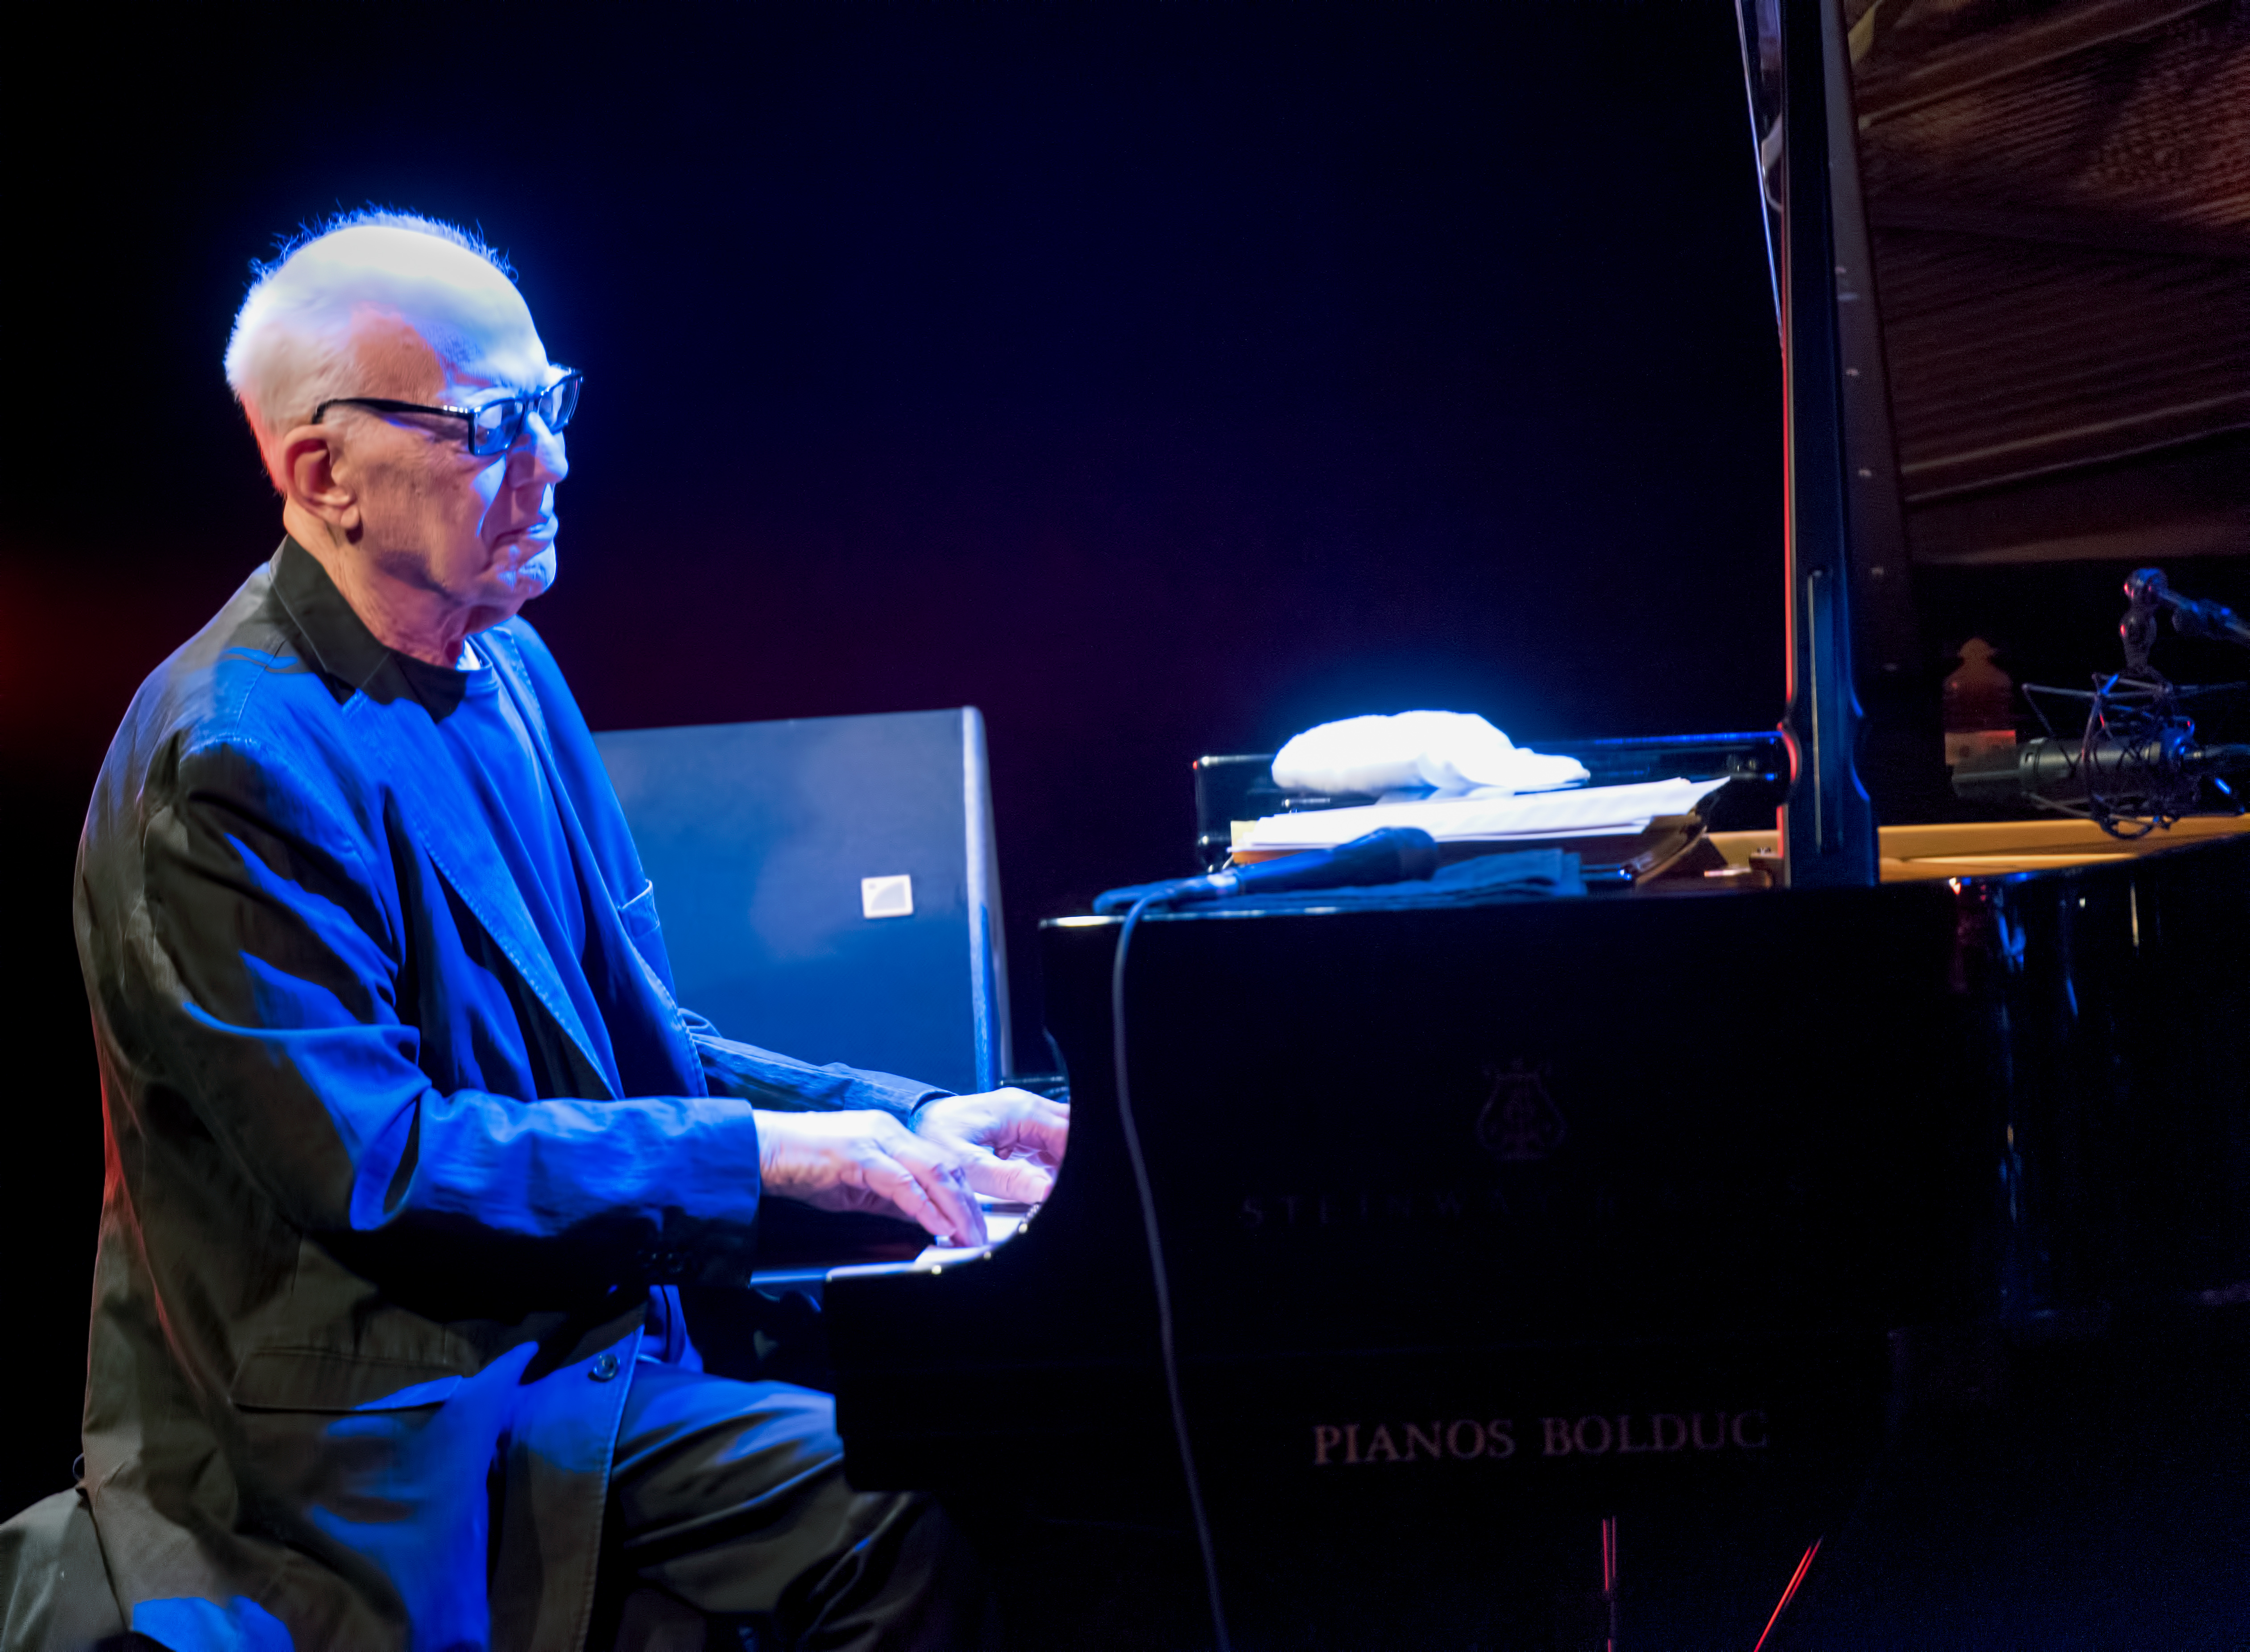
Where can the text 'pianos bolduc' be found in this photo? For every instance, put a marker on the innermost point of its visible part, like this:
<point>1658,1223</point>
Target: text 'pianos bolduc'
<point>1702,1219</point>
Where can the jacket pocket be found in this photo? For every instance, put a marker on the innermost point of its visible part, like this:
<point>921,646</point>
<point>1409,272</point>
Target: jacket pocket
<point>645,930</point>
<point>638,914</point>
<point>311,1380</point>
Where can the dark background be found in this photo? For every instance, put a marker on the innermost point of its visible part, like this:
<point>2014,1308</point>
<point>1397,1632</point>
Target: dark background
<point>1161,380</point>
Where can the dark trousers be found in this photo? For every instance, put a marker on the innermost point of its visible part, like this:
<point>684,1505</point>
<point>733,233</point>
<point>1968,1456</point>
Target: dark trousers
<point>730,1498</point>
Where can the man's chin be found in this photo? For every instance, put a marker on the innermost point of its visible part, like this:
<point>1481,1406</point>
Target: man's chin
<point>506,591</point>
<point>514,584</point>
<point>535,577</point>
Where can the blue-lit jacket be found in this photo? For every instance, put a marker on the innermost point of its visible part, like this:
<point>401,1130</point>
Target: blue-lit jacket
<point>384,1217</point>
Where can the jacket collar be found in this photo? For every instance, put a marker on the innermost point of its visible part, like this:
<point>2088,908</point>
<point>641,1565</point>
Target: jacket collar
<point>338,639</point>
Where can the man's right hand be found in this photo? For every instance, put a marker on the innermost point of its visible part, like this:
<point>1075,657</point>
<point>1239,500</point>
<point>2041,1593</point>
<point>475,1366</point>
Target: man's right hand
<point>867,1161</point>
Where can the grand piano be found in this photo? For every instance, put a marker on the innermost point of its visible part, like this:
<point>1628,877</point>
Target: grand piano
<point>1595,1270</point>
<point>1486,1225</point>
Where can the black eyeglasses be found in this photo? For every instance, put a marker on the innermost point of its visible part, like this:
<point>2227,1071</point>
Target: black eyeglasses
<point>494,425</point>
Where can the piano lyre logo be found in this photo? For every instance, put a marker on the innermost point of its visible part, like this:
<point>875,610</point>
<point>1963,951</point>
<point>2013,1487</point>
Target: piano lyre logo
<point>1519,1122</point>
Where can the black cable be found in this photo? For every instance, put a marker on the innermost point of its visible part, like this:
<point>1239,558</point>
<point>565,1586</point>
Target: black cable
<point>1165,1341</point>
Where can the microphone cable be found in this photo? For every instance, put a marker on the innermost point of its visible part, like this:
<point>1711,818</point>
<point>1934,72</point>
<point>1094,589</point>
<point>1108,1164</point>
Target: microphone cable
<point>1168,1348</point>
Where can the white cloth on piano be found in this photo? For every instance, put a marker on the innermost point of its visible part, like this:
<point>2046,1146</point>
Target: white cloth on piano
<point>1453,750</point>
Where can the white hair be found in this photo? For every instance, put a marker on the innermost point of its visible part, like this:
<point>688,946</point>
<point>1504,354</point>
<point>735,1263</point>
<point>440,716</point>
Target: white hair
<point>291,348</point>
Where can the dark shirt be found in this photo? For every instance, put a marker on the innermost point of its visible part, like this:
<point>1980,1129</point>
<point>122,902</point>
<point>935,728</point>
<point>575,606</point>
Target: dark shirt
<point>482,731</point>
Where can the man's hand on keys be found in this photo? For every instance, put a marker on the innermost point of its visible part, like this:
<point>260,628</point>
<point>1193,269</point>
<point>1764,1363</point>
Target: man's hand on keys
<point>1002,1143</point>
<point>1010,1141</point>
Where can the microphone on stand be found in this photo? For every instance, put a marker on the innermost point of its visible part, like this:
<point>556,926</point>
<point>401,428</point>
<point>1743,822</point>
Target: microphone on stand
<point>1388,855</point>
<point>2160,775</point>
<point>2139,759</point>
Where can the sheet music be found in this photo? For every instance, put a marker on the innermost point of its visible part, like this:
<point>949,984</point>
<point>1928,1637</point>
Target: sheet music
<point>1589,811</point>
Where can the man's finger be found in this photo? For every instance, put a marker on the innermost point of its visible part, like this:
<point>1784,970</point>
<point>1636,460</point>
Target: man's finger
<point>1044,1127</point>
<point>947,1190</point>
<point>908,1197</point>
<point>894,1185</point>
<point>1016,1179</point>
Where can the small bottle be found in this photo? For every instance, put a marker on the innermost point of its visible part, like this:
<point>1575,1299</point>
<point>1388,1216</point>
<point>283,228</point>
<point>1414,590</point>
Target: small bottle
<point>1980,705</point>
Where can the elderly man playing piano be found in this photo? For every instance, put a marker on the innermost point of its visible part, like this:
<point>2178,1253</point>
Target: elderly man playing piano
<point>409,1142</point>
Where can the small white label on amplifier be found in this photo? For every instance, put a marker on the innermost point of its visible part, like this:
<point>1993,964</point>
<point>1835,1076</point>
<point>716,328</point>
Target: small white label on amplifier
<point>887,897</point>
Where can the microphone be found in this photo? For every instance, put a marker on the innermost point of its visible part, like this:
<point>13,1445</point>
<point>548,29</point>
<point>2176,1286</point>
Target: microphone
<point>2159,776</point>
<point>1388,855</point>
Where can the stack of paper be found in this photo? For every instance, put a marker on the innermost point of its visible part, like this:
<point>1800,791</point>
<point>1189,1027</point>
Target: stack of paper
<point>1591,811</point>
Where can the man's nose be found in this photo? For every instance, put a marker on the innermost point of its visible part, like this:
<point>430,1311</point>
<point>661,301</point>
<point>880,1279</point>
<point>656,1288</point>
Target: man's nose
<point>537,458</point>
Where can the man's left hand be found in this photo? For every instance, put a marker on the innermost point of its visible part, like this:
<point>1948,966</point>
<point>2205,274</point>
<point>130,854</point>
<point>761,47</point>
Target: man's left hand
<point>1008,1141</point>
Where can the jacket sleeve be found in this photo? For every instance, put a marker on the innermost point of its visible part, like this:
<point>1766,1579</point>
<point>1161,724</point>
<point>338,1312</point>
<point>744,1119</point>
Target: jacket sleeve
<point>787,1084</point>
<point>270,950</point>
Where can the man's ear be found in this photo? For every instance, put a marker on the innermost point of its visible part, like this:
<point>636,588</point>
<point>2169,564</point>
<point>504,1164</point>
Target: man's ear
<point>307,466</point>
